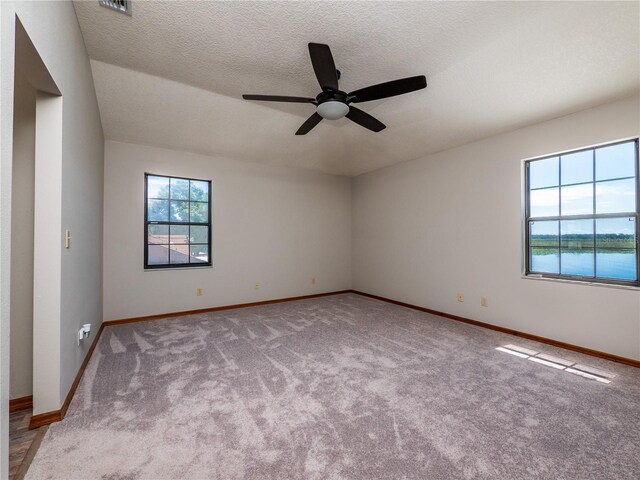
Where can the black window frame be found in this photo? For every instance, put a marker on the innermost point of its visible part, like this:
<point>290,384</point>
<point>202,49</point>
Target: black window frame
<point>594,216</point>
<point>169,223</point>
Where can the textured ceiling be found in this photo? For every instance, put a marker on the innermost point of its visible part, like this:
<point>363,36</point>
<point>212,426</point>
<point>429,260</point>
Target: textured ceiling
<point>172,74</point>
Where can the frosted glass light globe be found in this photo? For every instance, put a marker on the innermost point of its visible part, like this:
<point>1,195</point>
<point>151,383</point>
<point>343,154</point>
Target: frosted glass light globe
<point>333,110</point>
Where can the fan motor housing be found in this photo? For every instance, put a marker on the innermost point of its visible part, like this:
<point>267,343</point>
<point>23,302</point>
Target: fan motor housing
<point>335,95</point>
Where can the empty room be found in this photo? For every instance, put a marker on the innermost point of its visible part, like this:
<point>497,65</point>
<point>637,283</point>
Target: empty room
<point>319,240</point>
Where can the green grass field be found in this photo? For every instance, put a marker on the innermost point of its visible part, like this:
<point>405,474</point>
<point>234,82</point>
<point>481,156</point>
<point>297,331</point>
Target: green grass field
<point>576,243</point>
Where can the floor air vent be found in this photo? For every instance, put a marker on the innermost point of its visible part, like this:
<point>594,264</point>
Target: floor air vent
<point>559,363</point>
<point>122,6</point>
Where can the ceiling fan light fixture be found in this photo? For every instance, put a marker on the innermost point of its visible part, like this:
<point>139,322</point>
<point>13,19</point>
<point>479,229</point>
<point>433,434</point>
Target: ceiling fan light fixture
<point>332,109</point>
<point>332,103</point>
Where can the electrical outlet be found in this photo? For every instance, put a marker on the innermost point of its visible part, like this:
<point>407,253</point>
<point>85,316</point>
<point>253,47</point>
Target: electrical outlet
<point>313,280</point>
<point>460,297</point>
<point>84,332</point>
<point>257,286</point>
<point>199,292</point>
<point>484,301</point>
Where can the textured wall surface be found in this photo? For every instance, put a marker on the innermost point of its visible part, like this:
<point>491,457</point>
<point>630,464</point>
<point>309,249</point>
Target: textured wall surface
<point>54,31</point>
<point>24,138</point>
<point>491,67</point>
<point>271,225</point>
<point>451,222</point>
<point>172,77</point>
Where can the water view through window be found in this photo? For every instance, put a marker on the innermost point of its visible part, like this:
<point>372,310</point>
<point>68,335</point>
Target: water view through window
<point>582,214</point>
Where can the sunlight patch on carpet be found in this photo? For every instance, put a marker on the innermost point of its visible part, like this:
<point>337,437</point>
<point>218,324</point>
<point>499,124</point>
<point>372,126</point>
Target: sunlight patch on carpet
<point>558,363</point>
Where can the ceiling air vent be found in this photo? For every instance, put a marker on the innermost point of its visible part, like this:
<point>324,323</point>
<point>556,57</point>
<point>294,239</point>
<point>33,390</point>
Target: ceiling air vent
<point>122,6</point>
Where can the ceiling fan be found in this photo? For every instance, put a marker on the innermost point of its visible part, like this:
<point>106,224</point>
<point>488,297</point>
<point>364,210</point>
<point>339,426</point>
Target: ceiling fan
<point>332,103</point>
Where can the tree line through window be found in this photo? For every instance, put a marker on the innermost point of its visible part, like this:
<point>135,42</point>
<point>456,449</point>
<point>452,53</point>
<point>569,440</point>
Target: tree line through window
<point>177,222</point>
<point>582,214</point>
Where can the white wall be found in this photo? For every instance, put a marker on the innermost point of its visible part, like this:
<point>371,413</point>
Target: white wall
<point>451,222</point>
<point>47,258</point>
<point>24,138</point>
<point>271,225</point>
<point>54,31</point>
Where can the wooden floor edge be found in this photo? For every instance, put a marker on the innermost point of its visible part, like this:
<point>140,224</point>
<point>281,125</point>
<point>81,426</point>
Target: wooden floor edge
<point>159,316</point>
<point>31,453</point>
<point>529,336</point>
<point>42,419</point>
<point>21,403</point>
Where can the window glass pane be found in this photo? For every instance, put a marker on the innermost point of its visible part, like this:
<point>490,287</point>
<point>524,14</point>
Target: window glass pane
<point>179,189</point>
<point>543,173</point>
<point>576,234</point>
<point>157,187</point>
<point>577,167</point>
<point>543,234</point>
<point>199,234</point>
<point>199,191</point>
<point>158,210</point>
<point>179,211</point>
<point>616,196</point>
<point>577,262</point>
<point>616,252</point>
<point>199,254</point>
<point>158,234</point>
<point>158,255</point>
<point>577,199</point>
<point>544,203</point>
<point>576,240</point>
<point>179,254</point>
<point>199,212</point>
<point>595,182</point>
<point>616,232</point>
<point>544,260</point>
<point>616,264</point>
<point>616,161</point>
<point>179,234</point>
<point>177,221</point>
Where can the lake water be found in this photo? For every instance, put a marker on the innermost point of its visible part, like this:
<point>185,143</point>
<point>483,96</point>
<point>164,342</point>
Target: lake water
<point>616,265</point>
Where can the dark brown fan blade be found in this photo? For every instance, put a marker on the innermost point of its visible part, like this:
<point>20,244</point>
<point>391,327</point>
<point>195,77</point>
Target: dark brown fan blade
<point>364,119</point>
<point>388,89</point>
<point>311,122</point>
<point>279,98</point>
<point>323,66</point>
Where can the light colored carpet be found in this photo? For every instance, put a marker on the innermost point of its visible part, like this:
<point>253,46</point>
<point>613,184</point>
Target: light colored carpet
<point>341,387</point>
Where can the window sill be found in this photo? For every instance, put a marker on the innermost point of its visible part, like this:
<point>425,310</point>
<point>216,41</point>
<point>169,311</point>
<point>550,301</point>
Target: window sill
<point>579,282</point>
<point>168,269</point>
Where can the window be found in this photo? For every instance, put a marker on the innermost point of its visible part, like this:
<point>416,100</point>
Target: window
<point>177,222</point>
<point>581,218</point>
